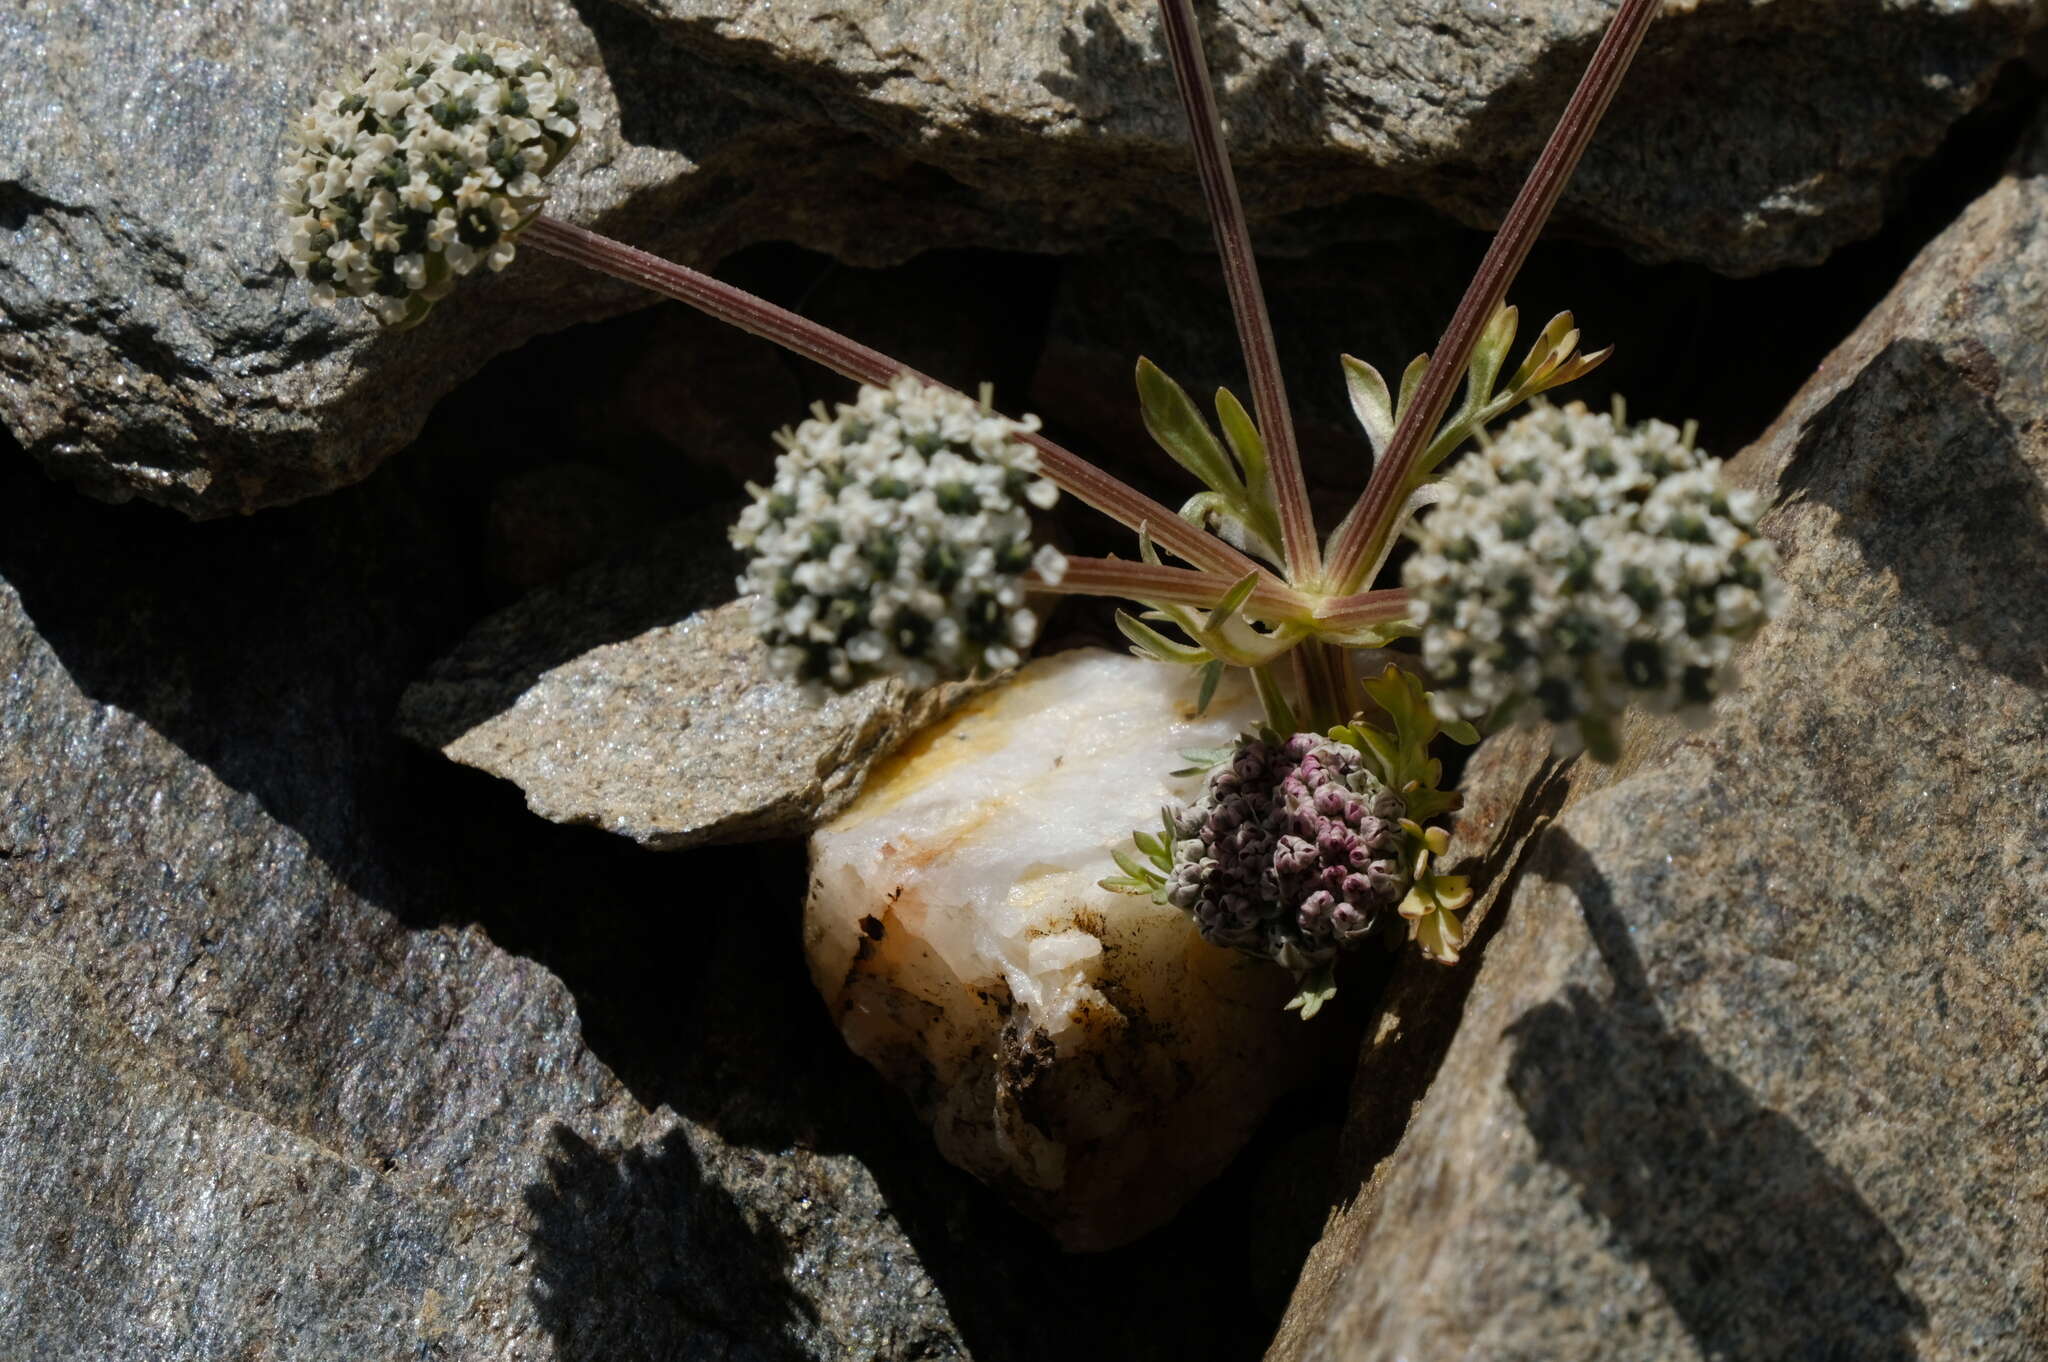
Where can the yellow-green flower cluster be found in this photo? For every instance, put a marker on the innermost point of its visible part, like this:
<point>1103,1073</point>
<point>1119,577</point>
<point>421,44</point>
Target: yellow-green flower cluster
<point>422,171</point>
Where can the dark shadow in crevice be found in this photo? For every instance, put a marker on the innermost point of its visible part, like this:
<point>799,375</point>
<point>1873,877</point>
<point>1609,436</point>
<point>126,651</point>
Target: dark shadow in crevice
<point>273,650</point>
<point>1689,344</point>
<point>1930,482</point>
<point>1765,1250</point>
<point>640,1259</point>
<point>674,573</point>
<point>706,1005</point>
<point>1428,1000</point>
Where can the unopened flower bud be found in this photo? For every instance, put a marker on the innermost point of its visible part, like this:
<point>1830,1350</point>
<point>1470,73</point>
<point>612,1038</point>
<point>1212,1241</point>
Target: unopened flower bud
<point>1287,855</point>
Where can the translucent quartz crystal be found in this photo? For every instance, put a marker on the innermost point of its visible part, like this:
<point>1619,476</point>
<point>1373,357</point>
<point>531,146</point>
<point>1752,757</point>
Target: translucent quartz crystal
<point>1083,1051</point>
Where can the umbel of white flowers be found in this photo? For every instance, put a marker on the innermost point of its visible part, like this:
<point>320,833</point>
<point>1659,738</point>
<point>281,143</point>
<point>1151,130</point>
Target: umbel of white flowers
<point>893,539</point>
<point>422,171</point>
<point>1577,565</point>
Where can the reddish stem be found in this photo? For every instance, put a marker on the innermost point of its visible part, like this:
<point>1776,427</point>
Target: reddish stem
<point>1163,585</point>
<point>1355,545</point>
<point>843,355</point>
<point>1362,609</point>
<point>1247,299</point>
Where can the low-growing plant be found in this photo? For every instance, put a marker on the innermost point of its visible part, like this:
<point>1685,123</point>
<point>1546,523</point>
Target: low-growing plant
<point>1573,566</point>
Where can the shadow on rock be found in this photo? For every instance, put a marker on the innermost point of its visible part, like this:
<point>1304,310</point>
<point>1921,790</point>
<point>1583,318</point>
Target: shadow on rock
<point>1930,482</point>
<point>1108,70</point>
<point>677,571</point>
<point>1764,1249</point>
<point>641,1257</point>
<point>272,651</point>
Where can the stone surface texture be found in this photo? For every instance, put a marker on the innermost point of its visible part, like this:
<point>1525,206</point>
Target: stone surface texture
<point>1054,105</point>
<point>314,1044</point>
<point>155,346</point>
<point>1754,1066</point>
<point>267,1090</point>
<point>625,699</point>
<point>1083,1051</point>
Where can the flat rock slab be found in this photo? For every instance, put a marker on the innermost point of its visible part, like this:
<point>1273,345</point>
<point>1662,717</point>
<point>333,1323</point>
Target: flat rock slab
<point>266,1090</point>
<point>1755,1066</point>
<point>155,345</point>
<point>1750,136</point>
<point>625,699</point>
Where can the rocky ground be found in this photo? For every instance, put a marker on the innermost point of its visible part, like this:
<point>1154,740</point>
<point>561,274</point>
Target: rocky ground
<point>319,1043</point>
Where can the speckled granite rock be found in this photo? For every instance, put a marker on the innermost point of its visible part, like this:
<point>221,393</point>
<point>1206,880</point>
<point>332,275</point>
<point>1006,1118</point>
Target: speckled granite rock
<point>626,699</point>
<point>155,347</point>
<point>1751,136</point>
<point>1754,1067</point>
<point>148,1217</point>
<point>265,1088</point>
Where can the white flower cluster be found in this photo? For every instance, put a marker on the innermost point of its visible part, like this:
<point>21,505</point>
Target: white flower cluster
<point>421,171</point>
<point>893,538</point>
<point>1583,564</point>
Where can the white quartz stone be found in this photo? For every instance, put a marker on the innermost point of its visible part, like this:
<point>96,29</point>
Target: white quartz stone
<point>1083,1050</point>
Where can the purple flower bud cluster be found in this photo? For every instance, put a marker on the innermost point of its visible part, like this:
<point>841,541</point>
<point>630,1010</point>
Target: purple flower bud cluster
<point>1293,852</point>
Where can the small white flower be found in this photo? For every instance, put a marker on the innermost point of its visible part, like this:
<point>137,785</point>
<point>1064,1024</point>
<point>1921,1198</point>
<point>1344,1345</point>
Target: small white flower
<point>893,537</point>
<point>422,171</point>
<point>1576,566</point>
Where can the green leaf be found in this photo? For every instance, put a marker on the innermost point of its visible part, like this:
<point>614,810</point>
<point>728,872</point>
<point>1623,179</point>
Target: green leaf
<point>1200,760</point>
<point>1575,368</point>
<point>1212,672</point>
<point>1147,551</point>
<point>1130,866</point>
<point>1461,731</point>
<point>1318,986</point>
<point>1540,356</point>
<point>1197,509</point>
<point>1234,599</point>
<point>1261,517</point>
<point>1156,645</point>
<point>1411,378</point>
<point>1488,356</point>
<point>1175,422</point>
<point>1369,401</point>
<point>1246,443</point>
<point>1380,747</point>
<point>1424,805</point>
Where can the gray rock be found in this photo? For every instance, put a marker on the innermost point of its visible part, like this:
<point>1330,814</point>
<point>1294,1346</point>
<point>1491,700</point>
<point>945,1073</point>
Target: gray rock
<point>624,698</point>
<point>259,935</point>
<point>268,1091</point>
<point>1750,136</point>
<point>1754,1067</point>
<point>154,345</point>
